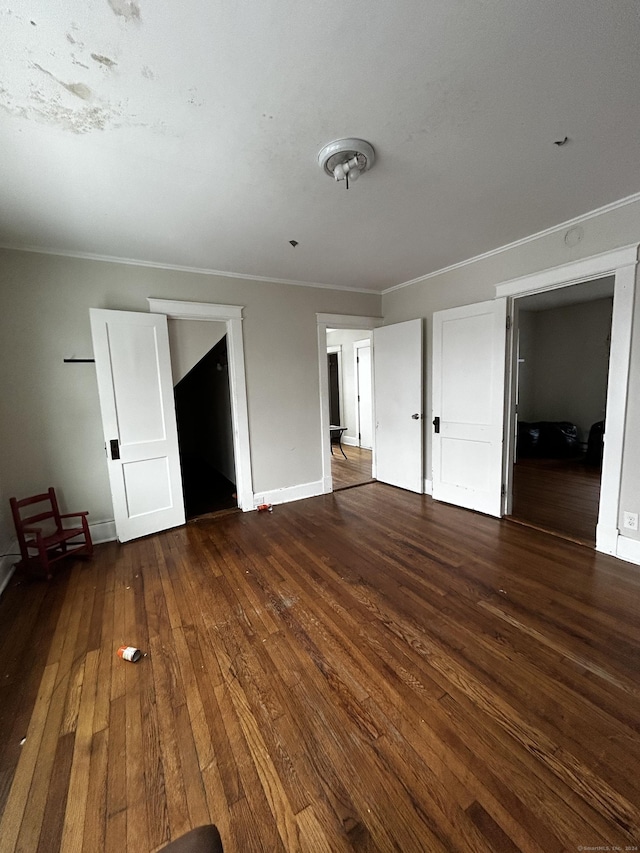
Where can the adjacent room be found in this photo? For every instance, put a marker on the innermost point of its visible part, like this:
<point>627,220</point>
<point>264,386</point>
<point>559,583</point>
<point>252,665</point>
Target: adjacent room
<point>319,458</point>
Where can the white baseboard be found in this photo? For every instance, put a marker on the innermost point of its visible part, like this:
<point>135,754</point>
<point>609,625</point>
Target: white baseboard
<point>8,564</point>
<point>291,493</point>
<point>628,549</point>
<point>428,487</point>
<point>607,539</point>
<point>103,531</point>
<point>350,440</point>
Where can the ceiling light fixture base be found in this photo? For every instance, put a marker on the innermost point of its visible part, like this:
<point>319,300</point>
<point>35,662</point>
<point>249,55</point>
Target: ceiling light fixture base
<point>346,159</point>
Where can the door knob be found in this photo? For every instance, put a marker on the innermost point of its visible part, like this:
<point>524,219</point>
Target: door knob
<point>415,417</point>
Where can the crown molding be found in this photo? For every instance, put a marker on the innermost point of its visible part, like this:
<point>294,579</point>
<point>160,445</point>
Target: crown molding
<point>132,262</point>
<point>607,208</point>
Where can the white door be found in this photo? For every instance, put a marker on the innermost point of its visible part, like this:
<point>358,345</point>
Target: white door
<point>397,383</point>
<point>139,421</point>
<point>468,405</point>
<point>364,400</point>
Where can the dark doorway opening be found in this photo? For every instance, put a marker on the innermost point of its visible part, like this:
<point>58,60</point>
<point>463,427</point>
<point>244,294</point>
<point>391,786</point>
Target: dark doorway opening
<point>334,388</point>
<point>205,432</point>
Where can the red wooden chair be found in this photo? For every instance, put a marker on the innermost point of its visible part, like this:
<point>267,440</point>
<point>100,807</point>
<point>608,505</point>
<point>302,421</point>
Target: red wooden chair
<point>48,542</point>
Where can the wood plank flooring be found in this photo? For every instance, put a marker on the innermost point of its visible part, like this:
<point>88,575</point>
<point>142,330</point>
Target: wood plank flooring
<point>364,671</point>
<point>352,471</point>
<point>559,495</point>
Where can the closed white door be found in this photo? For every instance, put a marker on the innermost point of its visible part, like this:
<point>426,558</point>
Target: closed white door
<point>397,372</point>
<point>468,405</point>
<point>139,422</point>
<point>364,397</point>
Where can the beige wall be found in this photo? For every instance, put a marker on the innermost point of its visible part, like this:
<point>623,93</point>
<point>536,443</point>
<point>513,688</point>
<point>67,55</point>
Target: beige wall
<point>50,429</point>
<point>190,341</point>
<point>476,281</point>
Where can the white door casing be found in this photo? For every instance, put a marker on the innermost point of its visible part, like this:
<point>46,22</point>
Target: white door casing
<point>622,263</point>
<point>133,370</point>
<point>176,309</point>
<point>364,394</point>
<point>468,399</point>
<point>398,394</point>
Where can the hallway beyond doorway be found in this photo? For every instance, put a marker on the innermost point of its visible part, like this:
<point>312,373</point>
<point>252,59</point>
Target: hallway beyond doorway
<point>355,470</point>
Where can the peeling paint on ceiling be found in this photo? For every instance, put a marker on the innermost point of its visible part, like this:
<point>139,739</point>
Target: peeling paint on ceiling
<point>202,140</point>
<point>127,9</point>
<point>80,90</point>
<point>103,60</point>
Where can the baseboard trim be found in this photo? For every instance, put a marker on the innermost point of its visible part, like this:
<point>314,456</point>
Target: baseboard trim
<point>103,531</point>
<point>350,440</point>
<point>290,493</point>
<point>428,487</point>
<point>8,564</point>
<point>628,549</point>
<point>607,540</point>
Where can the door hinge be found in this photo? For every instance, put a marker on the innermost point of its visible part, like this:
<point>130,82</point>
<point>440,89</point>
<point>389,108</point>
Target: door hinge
<point>503,490</point>
<point>358,397</point>
<point>508,322</point>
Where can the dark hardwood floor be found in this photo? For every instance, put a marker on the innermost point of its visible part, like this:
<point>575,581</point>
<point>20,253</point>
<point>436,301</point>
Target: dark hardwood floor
<point>364,671</point>
<point>558,495</point>
<point>352,471</point>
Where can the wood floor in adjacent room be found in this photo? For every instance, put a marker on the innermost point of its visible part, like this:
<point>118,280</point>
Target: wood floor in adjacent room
<point>558,495</point>
<point>352,471</point>
<point>363,671</point>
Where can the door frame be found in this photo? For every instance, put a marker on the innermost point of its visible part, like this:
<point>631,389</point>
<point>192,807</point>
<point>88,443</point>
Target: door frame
<point>357,346</point>
<point>334,321</point>
<point>231,315</point>
<point>622,265</point>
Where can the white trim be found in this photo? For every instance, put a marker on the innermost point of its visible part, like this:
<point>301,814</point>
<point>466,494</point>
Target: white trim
<point>351,441</point>
<point>132,262</point>
<point>576,272</point>
<point>599,211</point>
<point>8,563</point>
<point>232,315</point>
<point>325,420</point>
<point>103,531</point>
<point>289,493</point>
<point>628,549</point>
<point>616,408</point>
<point>621,263</point>
<point>349,321</point>
<point>428,487</point>
<point>357,346</point>
<point>181,310</point>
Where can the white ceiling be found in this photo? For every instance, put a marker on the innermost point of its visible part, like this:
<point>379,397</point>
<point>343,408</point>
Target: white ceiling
<point>187,133</point>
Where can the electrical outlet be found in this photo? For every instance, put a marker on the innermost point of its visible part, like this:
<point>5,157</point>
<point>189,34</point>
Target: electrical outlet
<point>630,520</point>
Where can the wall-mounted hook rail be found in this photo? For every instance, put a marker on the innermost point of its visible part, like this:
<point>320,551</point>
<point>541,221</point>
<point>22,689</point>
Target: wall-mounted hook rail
<point>79,360</point>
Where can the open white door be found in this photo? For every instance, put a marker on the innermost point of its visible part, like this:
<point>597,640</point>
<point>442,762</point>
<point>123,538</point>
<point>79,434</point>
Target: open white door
<point>364,400</point>
<point>468,405</point>
<point>397,382</point>
<point>139,421</point>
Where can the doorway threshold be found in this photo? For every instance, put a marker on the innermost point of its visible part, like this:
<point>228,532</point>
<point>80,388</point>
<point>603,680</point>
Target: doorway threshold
<point>215,514</point>
<point>559,534</point>
<point>354,485</point>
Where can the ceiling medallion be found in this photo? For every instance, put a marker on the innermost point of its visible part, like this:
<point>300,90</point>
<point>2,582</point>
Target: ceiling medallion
<point>346,159</point>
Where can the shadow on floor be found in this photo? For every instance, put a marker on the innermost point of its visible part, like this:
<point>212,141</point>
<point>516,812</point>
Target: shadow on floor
<point>205,489</point>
